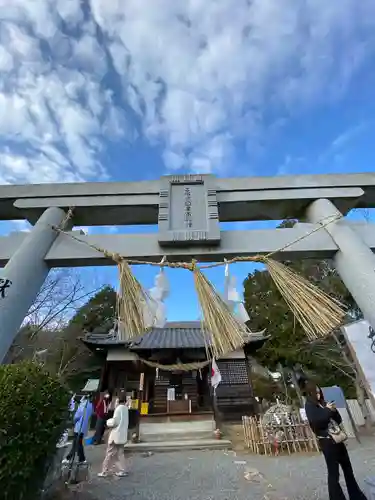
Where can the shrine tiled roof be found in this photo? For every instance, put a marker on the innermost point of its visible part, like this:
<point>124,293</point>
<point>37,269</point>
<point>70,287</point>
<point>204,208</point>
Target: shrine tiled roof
<point>175,335</point>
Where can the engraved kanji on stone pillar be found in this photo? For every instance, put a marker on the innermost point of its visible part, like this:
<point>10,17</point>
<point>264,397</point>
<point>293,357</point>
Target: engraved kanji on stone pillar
<point>188,211</point>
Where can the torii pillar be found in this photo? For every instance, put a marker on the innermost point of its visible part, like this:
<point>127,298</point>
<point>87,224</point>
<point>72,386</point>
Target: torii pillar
<point>354,260</point>
<point>23,276</point>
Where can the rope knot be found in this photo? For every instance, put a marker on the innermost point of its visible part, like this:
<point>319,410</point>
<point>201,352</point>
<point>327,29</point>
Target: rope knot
<point>114,256</point>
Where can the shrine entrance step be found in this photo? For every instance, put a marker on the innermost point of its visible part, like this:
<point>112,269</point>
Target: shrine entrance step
<point>188,430</point>
<point>177,417</point>
<point>184,445</point>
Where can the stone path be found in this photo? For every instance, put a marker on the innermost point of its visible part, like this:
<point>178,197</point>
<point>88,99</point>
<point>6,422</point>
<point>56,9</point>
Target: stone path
<point>221,475</point>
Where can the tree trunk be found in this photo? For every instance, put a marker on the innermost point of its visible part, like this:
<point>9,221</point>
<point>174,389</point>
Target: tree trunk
<point>297,387</point>
<point>361,397</point>
<point>281,370</point>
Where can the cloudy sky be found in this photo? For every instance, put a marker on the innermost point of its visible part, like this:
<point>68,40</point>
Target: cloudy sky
<point>97,90</point>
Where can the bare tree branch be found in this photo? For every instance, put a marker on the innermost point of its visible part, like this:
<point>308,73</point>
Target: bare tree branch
<point>333,355</point>
<point>62,294</point>
<point>336,365</point>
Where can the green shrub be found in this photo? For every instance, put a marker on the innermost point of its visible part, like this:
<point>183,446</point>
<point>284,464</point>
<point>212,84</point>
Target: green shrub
<point>33,414</point>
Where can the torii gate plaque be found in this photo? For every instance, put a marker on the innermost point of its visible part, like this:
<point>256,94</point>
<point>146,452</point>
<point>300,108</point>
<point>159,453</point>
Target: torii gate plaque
<point>188,211</point>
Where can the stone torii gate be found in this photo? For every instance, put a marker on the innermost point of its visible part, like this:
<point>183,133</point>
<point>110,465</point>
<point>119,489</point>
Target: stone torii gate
<point>188,210</point>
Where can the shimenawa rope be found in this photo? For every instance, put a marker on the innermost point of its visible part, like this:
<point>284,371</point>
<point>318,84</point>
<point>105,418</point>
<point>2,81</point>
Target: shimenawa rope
<point>316,311</point>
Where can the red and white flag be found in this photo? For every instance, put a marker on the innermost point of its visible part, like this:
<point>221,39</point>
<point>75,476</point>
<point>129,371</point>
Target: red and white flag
<point>215,374</point>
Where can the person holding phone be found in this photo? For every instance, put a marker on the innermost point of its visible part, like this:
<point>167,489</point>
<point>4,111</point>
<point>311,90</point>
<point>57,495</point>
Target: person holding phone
<point>326,422</point>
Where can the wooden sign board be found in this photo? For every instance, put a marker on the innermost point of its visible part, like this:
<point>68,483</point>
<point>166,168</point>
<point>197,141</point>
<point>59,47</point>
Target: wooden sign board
<point>141,381</point>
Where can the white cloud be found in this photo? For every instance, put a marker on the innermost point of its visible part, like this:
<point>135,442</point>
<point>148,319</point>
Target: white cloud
<point>348,135</point>
<point>84,229</point>
<point>7,227</point>
<point>22,225</point>
<point>6,60</point>
<point>332,159</point>
<point>336,153</point>
<point>174,160</point>
<point>90,56</point>
<point>198,75</point>
<point>53,106</point>
<point>203,68</point>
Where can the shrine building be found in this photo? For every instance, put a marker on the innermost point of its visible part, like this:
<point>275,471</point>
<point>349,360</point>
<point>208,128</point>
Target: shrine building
<point>130,366</point>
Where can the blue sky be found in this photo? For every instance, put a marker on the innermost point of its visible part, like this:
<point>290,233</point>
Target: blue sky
<point>130,90</point>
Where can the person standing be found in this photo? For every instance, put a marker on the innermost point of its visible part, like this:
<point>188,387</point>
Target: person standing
<point>321,416</point>
<point>117,439</point>
<point>65,435</point>
<point>101,412</point>
<point>81,421</point>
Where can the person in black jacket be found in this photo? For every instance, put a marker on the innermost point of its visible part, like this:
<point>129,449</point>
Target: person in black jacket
<point>319,414</point>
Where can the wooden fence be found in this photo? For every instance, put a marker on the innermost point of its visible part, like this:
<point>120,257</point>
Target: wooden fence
<point>272,438</point>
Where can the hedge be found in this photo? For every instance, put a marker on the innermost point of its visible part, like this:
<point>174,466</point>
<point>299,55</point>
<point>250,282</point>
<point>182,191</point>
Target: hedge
<point>33,415</point>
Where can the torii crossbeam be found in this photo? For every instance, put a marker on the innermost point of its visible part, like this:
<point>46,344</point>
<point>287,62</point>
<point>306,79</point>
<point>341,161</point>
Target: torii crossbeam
<point>188,210</point>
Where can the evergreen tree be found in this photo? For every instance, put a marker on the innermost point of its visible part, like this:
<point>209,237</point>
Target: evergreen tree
<point>288,345</point>
<point>98,313</point>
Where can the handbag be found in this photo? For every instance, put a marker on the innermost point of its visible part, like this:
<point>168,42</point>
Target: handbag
<point>337,432</point>
<point>75,473</point>
<point>111,423</point>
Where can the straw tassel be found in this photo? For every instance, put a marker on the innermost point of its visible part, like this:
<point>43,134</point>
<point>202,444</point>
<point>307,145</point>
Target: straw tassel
<point>317,312</point>
<point>223,332</point>
<point>132,306</point>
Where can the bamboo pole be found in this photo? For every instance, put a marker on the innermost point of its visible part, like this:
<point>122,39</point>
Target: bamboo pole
<point>295,437</point>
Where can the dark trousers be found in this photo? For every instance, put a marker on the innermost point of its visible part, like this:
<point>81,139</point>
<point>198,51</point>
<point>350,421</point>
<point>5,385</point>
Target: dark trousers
<point>77,447</point>
<point>336,455</point>
<point>99,430</point>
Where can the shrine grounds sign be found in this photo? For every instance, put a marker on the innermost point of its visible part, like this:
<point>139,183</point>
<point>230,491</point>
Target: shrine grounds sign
<point>188,211</point>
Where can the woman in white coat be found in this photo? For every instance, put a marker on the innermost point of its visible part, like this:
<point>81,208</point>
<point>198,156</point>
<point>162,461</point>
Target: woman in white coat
<point>118,437</point>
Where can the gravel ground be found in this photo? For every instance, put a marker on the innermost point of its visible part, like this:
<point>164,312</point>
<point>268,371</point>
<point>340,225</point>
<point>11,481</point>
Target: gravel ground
<point>220,475</point>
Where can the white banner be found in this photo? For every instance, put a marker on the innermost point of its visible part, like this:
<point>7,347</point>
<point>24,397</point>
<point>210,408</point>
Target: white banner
<point>171,394</point>
<point>215,374</point>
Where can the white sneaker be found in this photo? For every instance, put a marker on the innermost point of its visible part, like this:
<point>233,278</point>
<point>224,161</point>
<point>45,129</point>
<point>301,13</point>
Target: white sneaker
<point>65,461</point>
<point>103,474</point>
<point>122,474</point>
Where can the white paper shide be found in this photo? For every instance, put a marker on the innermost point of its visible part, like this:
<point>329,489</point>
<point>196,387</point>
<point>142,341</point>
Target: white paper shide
<point>233,298</point>
<point>155,313</point>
